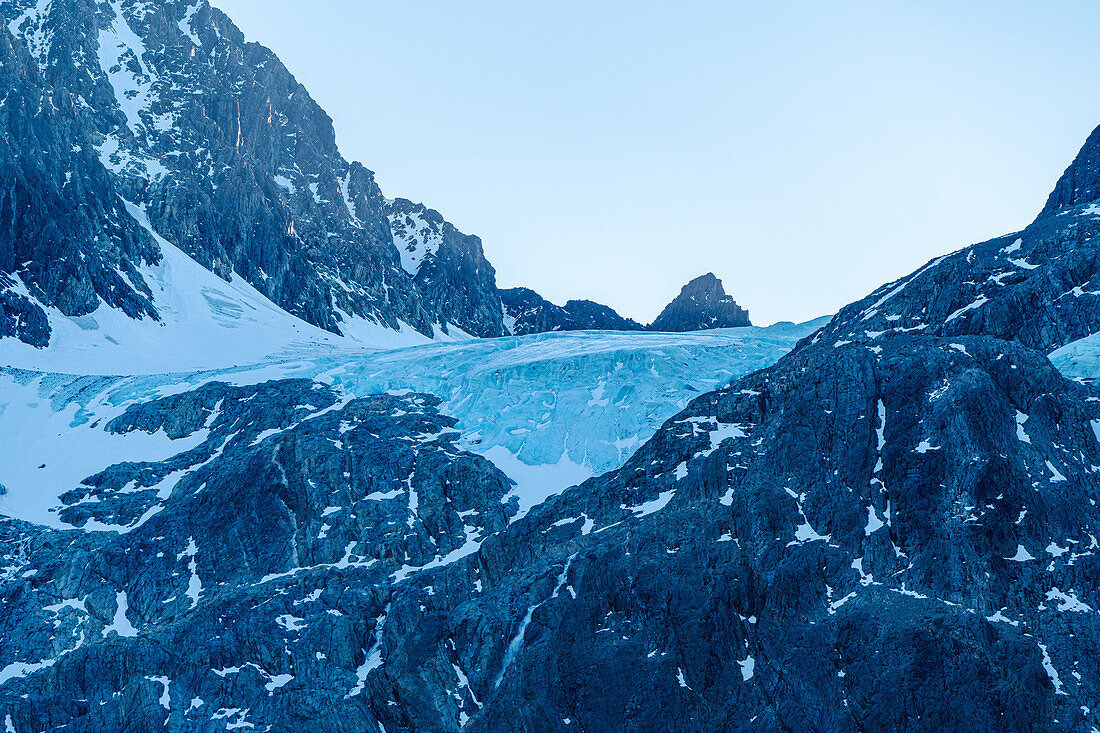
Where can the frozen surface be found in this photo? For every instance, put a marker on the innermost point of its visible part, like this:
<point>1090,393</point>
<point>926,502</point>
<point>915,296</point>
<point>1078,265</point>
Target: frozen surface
<point>549,409</point>
<point>1079,359</point>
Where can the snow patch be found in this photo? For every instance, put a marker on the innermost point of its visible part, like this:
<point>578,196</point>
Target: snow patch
<point>536,483</point>
<point>415,237</point>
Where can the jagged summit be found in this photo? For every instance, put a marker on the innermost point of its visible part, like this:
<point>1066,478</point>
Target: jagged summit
<point>1080,184</point>
<point>701,304</point>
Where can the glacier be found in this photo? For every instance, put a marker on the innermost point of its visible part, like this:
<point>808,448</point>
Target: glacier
<point>1079,359</point>
<point>550,410</point>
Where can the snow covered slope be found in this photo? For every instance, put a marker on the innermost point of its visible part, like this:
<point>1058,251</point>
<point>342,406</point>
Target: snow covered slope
<point>550,410</point>
<point>205,323</point>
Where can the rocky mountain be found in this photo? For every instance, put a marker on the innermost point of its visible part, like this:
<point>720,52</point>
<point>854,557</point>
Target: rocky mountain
<point>140,127</point>
<point>551,409</point>
<point>142,132</point>
<point>526,312</point>
<point>701,304</point>
<point>164,105</point>
<point>891,528</point>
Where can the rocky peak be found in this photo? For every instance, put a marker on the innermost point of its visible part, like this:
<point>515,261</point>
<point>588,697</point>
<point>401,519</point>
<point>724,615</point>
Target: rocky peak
<point>1080,184</point>
<point>701,304</point>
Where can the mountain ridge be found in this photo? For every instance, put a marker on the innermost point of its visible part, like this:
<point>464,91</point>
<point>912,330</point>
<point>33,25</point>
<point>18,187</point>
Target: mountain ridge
<point>701,305</point>
<point>166,106</point>
<point>234,163</point>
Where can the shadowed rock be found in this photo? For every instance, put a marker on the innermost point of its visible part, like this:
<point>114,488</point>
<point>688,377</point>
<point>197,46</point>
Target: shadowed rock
<point>701,304</point>
<point>526,312</point>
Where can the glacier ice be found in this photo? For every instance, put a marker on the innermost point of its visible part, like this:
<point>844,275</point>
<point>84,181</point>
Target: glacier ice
<point>549,409</point>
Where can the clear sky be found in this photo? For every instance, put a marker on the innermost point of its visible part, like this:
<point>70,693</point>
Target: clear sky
<point>805,152</point>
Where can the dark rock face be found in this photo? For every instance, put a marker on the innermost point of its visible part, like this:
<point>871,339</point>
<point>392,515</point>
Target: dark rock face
<point>164,104</point>
<point>20,317</point>
<point>802,548</point>
<point>240,580</point>
<point>1080,184</point>
<point>457,284</point>
<point>526,312</point>
<point>63,232</point>
<point>592,316</point>
<point>701,304</point>
<point>834,534</point>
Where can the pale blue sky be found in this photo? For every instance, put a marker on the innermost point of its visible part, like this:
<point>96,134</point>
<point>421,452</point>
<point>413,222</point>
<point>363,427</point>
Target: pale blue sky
<point>806,152</point>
